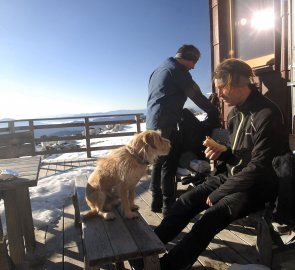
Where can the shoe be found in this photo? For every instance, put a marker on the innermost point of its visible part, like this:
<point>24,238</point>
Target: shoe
<point>137,264</point>
<point>167,205</point>
<point>156,208</point>
<point>157,203</point>
<point>165,212</point>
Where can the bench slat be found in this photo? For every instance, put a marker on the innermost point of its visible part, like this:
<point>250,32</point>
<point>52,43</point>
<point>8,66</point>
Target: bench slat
<point>121,240</point>
<point>80,184</point>
<point>95,237</point>
<point>117,240</point>
<point>145,238</point>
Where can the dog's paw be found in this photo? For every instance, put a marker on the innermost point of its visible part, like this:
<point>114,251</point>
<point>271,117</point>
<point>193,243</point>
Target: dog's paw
<point>108,215</point>
<point>134,207</point>
<point>131,215</point>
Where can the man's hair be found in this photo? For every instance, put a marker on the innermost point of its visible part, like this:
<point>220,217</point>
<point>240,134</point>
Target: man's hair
<point>234,72</point>
<point>188,52</point>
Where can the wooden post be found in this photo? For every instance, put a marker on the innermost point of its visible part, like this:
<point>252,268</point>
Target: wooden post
<point>15,237</point>
<point>4,259</point>
<point>31,128</point>
<point>87,137</point>
<point>11,127</point>
<point>137,118</point>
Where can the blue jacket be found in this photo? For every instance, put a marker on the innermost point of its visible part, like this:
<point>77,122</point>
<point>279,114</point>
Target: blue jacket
<point>169,86</point>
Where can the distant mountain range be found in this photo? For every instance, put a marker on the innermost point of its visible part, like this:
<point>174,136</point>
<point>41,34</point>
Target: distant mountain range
<point>143,111</point>
<point>74,130</point>
<point>113,112</point>
<point>86,114</point>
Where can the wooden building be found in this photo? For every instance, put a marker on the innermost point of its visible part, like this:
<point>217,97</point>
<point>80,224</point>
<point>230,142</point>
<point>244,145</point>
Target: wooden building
<point>262,33</point>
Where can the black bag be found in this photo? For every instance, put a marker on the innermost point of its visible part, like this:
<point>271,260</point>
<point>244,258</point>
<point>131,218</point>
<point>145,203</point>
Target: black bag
<point>193,132</point>
<point>284,167</point>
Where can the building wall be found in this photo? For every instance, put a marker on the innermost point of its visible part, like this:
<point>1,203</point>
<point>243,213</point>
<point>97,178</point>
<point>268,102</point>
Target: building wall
<point>272,78</point>
<point>292,59</point>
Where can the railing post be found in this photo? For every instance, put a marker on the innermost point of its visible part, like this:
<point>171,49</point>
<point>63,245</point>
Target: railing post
<point>11,127</point>
<point>137,118</point>
<point>31,128</point>
<point>87,137</point>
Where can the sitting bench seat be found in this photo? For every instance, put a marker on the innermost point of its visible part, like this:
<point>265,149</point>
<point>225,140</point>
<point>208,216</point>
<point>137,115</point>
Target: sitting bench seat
<point>114,241</point>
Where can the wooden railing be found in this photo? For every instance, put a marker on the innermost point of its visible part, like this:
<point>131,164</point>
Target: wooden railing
<point>42,130</point>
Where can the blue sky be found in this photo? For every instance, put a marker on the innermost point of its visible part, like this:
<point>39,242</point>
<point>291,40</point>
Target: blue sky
<point>75,56</point>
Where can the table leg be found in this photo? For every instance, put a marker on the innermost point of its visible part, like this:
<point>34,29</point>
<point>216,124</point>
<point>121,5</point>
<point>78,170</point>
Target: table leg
<point>14,227</point>
<point>27,219</point>
<point>152,262</point>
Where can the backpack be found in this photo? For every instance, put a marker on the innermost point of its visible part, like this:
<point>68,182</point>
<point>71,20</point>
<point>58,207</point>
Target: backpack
<point>284,166</point>
<point>193,132</point>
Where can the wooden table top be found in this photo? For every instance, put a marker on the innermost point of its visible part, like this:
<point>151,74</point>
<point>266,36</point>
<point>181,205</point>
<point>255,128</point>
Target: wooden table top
<point>27,169</point>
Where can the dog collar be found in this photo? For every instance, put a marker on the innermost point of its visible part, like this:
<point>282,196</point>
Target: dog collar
<point>136,156</point>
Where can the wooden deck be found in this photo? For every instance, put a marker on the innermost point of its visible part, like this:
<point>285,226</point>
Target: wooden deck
<point>59,245</point>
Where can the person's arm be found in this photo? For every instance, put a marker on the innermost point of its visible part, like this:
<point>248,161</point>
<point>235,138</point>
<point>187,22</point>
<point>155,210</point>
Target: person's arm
<point>194,93</point>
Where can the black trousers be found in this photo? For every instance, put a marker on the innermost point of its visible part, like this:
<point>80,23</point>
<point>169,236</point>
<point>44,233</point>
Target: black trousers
<point>164,170</point>
<point>215,218</point>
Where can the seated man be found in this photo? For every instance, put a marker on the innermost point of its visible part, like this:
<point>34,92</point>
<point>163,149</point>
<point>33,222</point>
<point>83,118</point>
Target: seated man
<point>257,135</point>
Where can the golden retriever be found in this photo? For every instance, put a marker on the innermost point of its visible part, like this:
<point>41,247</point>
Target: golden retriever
<point>122,169</point>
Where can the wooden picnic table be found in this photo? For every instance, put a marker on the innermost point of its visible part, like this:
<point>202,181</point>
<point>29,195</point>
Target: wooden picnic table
<point>18,211</point>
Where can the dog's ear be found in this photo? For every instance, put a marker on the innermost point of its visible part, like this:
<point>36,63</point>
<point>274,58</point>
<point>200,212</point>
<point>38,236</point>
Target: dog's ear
<point>150,138</point>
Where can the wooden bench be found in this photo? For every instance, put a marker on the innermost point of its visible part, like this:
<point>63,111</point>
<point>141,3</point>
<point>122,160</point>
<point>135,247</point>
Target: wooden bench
<point>115,241</point>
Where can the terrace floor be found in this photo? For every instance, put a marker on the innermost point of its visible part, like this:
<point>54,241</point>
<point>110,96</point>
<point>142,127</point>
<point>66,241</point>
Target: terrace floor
<point>59,245</point>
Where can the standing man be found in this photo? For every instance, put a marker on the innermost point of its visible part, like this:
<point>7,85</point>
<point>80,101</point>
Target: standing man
<point>257,135</point>
<point>169,87</point>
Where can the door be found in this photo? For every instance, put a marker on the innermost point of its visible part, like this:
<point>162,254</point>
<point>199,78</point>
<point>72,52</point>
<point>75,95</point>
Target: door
<point>292,83</point>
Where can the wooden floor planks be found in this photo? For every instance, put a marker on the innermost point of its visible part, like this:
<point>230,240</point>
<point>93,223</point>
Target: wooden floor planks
<point>61,244</point>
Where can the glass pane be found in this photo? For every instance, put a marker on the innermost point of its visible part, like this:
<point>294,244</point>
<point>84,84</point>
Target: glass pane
<point>254,31</point>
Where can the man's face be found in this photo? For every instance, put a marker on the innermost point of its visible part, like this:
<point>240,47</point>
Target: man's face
<point>230,95</point>
<point>189,64</point>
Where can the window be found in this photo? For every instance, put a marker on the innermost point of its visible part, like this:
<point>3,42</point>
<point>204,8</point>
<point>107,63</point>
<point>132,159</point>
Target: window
<point>254,31</point>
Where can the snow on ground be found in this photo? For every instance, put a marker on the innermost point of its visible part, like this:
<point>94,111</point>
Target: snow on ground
<point>49,196</point>
<point>95,143</point>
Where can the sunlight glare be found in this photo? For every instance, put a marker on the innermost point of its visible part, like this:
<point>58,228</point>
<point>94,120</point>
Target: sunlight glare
<point>263,19</point>
<point>243,21</point>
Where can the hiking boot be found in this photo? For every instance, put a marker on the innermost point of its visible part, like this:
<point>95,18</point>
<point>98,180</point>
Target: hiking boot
<point>157,203</point>
<point>167,205</point>
<point>165,212</point>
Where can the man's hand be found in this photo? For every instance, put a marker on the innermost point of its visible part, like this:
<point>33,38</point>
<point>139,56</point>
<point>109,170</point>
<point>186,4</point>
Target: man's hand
<point>208,202</point>
<point>212,153</point>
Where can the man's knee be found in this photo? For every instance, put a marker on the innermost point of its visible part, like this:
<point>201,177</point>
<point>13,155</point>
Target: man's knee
<point>235,205</point>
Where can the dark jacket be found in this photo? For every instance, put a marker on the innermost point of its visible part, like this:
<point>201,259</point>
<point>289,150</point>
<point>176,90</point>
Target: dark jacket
<point>257,135</point>
<point>169,86</point>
